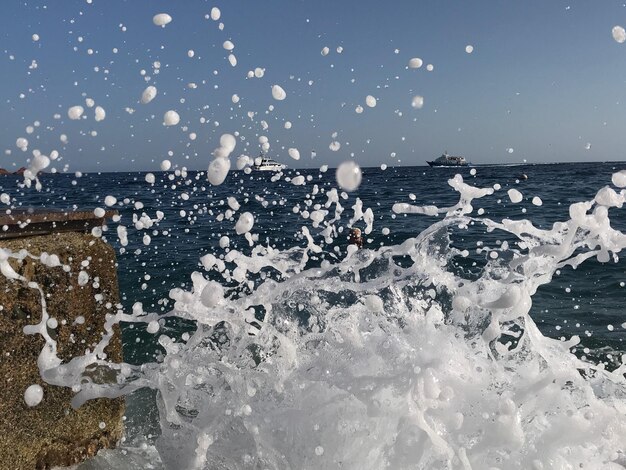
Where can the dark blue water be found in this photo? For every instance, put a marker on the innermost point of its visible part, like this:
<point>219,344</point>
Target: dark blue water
<point>584,301</point>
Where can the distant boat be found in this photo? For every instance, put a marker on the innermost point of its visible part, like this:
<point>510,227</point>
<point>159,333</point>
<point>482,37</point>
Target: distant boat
<point>449,160</point>
<point>263,163</point>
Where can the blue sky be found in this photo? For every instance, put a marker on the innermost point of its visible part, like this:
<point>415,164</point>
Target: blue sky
<point>545,79</point>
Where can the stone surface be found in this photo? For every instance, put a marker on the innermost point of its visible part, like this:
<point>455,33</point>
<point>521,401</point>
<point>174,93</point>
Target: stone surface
<point>52,433</point>
<point>19,223</point>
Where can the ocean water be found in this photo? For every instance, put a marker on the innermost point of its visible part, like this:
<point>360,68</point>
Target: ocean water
<point>481,337</point>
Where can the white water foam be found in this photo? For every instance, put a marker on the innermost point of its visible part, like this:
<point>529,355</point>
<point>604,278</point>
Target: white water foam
<point>386,359</point>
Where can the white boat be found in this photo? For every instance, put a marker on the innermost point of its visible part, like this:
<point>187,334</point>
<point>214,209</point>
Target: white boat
<point>263,163</point>
<point>449,160</point>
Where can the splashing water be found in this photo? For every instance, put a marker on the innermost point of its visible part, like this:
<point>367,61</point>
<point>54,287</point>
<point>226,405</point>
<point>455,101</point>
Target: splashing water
<point>385,359</point>
<point>401,357</point>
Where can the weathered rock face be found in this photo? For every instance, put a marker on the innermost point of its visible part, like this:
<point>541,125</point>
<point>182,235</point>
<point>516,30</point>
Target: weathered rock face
<point>52,433</point>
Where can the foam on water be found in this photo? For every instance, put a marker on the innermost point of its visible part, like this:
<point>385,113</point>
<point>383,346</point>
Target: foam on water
<point>384,359</point>
<point>171,118</point>
<point>75,112</point>
<point>278,93</point>
<point>148,94</point>
<point>303,357</point>
<point>161,19</point>
<point>415,63</point>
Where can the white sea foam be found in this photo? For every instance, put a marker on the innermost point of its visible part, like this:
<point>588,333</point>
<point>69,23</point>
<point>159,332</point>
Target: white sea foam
<point>218,170</point>
<point>374,358</point>
<point>100,114</point>
<point>33,395</point>
<point>378,364</point>
<point>415,63</point>
<point>245,223</point>
<point>75,112</point>
<point>161,19</point>
<point>348,176</point>
<point>417,102</point>
<point>148,94</point>
<point>514,195</point>
<point>22,144</point>
<point>278,93</point>
<point>619,34</point>
<point>171,118</point>
<point>352,375</point>
<point>294,153</point>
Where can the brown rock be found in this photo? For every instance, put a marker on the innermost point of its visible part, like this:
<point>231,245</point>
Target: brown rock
<point>52,433</point>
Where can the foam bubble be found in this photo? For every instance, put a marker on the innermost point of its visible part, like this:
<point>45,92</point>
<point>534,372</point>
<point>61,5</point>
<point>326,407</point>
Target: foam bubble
<point>619,179</point>
<point>166,165</point>
<point>171,118</point>
<point>415,63</point>
<point>294,153</point>
<point>348,176</point>
<point>75,112</point>
<point>148,94</point>
<point>245,223</point>
<point>218,170</point>
<point>515,196</point>
<point>619,34</point>
<point>469,48</point>
<point>22,144</point>
<point>278,93</point>
<point>33,395</point>
<point>212,294</point>
<point>100,113</point>
<point>161,19</point>
<point>228,142</point>
<point>298,180</point>
<point>224,242</point>
<point>153,327</point>
<point>417,102</point>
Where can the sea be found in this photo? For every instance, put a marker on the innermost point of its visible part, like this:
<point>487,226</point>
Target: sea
<point>488,335</point>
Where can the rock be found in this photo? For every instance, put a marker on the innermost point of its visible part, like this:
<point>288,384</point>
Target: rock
<point>52,433</point>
